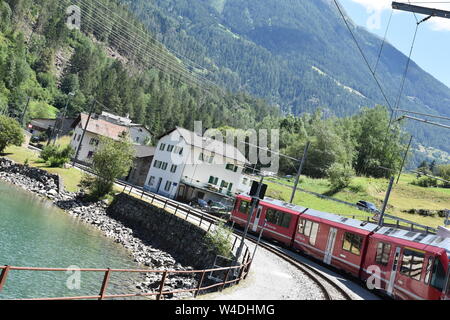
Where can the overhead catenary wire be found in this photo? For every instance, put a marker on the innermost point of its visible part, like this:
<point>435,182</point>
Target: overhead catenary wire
<point>363,55</point>
<point>384,41</point>
<point>150,52</point>
<point>147,34</point>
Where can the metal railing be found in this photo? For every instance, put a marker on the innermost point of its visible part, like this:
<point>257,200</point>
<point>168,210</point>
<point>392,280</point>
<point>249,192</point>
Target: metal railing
<point>230,278</point>
<point>242,271</point>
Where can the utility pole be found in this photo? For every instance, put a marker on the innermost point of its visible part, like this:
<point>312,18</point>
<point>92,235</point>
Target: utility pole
<point>25,112</point>
<point>250,215</point>
<point>386,199</point>
<point>61,123</point>
<point>91,110</point>
<point>299,172</point>
<point>404,159</point>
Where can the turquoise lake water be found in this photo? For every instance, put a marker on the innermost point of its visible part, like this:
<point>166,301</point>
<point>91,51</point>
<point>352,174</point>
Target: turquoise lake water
<point>34,233</point>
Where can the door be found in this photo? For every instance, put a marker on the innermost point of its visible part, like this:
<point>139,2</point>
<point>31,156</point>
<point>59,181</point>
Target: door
<point>447,285</point>
<point>330,245</point>
<point>159,185</point>
<point>256,221</point>
<point>390,287</point>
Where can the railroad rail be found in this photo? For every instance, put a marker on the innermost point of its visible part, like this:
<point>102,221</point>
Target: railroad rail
<point>330,289</point>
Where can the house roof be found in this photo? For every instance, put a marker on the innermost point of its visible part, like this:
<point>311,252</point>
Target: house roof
<point>101,127</point>
<point>44,123</point>
<point>212,145</point>
<point>144,151</point>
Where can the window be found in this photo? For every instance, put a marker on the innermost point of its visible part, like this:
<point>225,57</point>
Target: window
<point>205,158</point>
<point>224,184</point>
<point>352,243</point>
<point>162,146</point>
<point>314,231</point>
<point>231,167</point>
<point>137,139</point>
<point>164,166</point>
<point>170,148</point>
<point>173,169</point>
<point>309,229</point>
<point>157,164</point>
<point>151,181</point>
<point>90,154</point>
<point>213,180</point>
<point>168,185</point>
<point>94,142</point>
<point>244,207</point>
<point>412,264</point>
<point>383,253</point>
<point>438,278</point>
<point>244,181</point>
<point>79,137</point>
<point>230,186</point>
<point>278,218</point>
<point>428,271</point>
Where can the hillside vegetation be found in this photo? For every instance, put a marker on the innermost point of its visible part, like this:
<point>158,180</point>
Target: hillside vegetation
<point>298,55</point>
<point>404,197</point>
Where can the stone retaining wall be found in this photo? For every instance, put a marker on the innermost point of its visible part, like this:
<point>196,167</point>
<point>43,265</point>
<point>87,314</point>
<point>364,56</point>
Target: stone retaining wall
<point>45,181</point>
<point>181,239</point>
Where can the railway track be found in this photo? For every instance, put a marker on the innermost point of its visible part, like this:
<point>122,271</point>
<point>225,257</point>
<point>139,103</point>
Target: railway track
<point>329,288</point>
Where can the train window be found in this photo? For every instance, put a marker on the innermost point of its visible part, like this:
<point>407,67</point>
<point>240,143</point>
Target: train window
<point>301,226</point>
<point>314,231</point>
<point>279,218</point>
<point>383,253</point>
<point>438,278</point>
<point>307,230</point>
<point>412,264</point>
<point>244,207</point>
<point>352,243</point>
<point>428,271</point>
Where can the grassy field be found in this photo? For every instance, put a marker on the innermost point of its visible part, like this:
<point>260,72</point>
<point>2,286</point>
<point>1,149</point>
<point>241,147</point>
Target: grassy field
<point>404,196</point>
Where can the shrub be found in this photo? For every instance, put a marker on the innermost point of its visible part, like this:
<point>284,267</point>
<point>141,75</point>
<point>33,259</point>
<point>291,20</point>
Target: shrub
<point>55,156</point>
<point>340,176</point>
<point>10,133</point>
<point>219,240</point>
<point>425,182</point>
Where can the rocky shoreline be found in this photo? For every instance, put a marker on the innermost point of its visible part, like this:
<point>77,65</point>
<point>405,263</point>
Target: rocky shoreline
<point>46,185</point>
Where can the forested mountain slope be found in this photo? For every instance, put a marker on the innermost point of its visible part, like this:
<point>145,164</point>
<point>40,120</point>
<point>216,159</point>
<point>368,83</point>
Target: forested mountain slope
<point>296,54</point>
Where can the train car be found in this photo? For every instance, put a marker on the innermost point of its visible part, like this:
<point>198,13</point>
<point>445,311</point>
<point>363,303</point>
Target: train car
<point>408,265</point>
<point>280,218</point>
<point>337,241</point>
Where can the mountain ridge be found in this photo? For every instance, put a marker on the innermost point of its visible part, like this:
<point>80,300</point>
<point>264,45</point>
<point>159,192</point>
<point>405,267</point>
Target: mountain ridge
<point>269,48</point>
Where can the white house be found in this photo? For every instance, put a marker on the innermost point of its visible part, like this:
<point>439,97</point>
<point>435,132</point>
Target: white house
<point>96,128</point>
<point>187,166</point>
<point>106,125</point>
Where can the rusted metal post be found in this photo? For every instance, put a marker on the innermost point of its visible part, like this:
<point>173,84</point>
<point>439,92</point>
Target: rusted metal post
<point>210,224</point>
<point>199,286</point>
<point>241,271</point>
<point>176,209</point>
<point>234,243</point>
<point>3,277</point>
<point>131,189</point>
<point>161,286</point>
<point>105,284</point>
<point>188,213</point>
<point>225,279</point>
<point>201,219</point>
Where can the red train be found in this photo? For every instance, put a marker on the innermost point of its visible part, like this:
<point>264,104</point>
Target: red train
<point>404,264</point>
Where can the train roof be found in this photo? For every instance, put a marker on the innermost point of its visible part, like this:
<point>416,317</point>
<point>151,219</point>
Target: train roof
<point>349,222</point>
<point>354,223</point>
<point>418,237</point>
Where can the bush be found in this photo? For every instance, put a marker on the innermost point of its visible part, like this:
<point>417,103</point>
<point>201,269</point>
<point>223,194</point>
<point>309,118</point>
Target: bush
<point>10,133</point>
<point>340,176</point>
<point>219,240</point>
<point>425,182</point>
<point>55,156</point>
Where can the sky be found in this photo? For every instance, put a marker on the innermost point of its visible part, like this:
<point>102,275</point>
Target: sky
<point>432,46</point>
